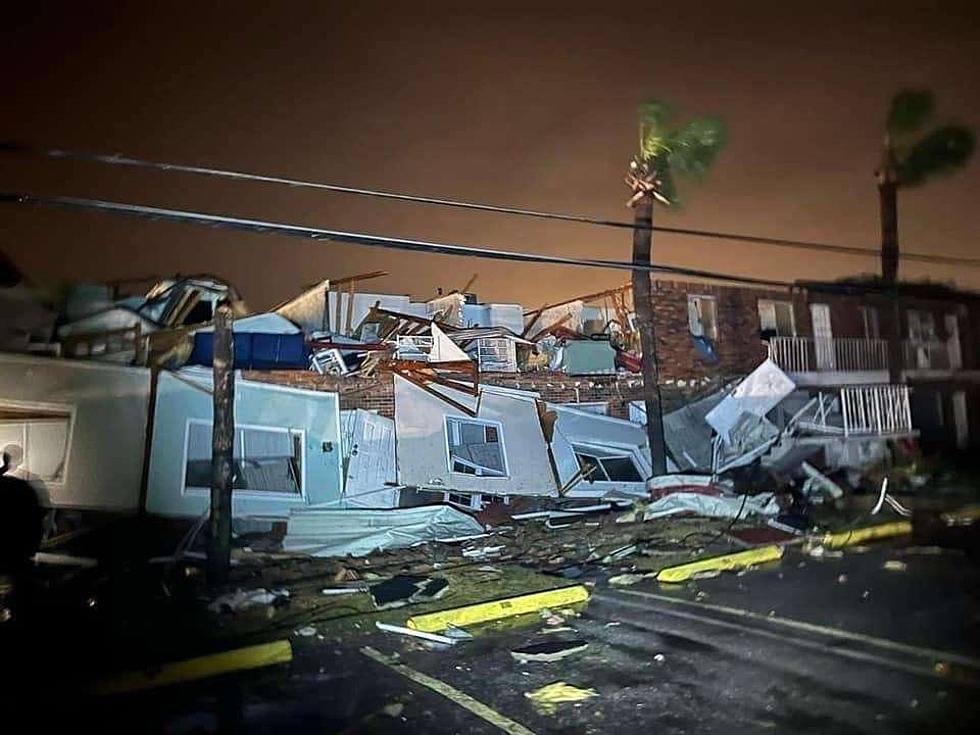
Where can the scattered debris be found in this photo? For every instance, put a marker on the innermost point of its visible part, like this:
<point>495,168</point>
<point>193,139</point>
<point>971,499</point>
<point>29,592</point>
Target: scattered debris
<point>548,651</point>
<point>895,565</point>
<point>547,698</point>
<point>431,637</point>
<point>240,600</point>
<point>407,589</point>
<point>306,631</point>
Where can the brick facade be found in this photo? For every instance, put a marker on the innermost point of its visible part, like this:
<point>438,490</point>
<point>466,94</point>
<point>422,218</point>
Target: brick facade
<point>376,393</point>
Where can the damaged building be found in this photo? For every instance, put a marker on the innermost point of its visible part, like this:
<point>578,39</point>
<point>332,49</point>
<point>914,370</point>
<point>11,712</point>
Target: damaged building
<point>352,400</point>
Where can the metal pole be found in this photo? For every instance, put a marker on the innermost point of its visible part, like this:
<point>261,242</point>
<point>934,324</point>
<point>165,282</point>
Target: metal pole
<point>222,447</point>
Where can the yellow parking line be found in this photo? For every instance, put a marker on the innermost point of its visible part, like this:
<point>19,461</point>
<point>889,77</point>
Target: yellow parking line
<point>884,643</point>
<point>463,699</point>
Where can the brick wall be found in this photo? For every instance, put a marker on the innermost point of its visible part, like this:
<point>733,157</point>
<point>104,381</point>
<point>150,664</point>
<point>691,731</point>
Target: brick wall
<point>376,393</point>
<point>738,344</point>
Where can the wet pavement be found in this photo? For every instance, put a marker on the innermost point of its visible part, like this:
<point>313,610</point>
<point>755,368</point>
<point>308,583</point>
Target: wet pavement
<point>797,646</point>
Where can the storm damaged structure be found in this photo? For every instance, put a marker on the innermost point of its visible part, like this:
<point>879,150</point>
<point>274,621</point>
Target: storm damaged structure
<point>348,400</point>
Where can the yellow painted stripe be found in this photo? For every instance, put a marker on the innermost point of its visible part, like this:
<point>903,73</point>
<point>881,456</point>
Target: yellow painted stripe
<point>483,612</point>
<point>859,535</point>
<point>737,560</point>
<point>827,630</point>
<point>463,699</point>
<point>239,659</point>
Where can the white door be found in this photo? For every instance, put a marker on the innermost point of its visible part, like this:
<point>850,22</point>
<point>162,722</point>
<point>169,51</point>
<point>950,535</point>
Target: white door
<point>371,464</point>
<point>823,337</point>
<point>953,342</point>
<point>961,419</point>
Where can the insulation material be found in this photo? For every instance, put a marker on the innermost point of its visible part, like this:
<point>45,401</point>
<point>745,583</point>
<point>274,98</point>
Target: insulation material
<point>450,309</point>
<point>308,310</point>
<point>573,310</point>
<point>322,532</point>
<point>711,506</point>
<point>757,394</point>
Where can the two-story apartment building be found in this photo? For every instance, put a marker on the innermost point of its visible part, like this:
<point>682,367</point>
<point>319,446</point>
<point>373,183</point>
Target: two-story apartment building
<point>832,337</point>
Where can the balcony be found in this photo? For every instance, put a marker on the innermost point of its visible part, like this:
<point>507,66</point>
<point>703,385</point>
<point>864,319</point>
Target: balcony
<point>830,355</point>
<point>851,360</point>
<point>857,411</point>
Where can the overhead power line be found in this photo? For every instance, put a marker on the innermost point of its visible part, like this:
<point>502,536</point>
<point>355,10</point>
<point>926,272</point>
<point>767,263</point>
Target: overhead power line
<point>357,238</point>
<point>120,160</point>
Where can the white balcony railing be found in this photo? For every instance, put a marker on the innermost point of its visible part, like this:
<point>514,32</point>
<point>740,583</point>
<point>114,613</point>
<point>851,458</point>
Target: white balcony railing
<point>876,410</point>
<point>805,355</point>
<point>860,410</point>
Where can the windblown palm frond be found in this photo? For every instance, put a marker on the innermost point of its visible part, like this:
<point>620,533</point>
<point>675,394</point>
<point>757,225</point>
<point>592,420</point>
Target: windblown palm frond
<point>693,148</point>
<point>654,116</point>
<point>909,111</point>
<point>665,151</point>
<point>940,151</point>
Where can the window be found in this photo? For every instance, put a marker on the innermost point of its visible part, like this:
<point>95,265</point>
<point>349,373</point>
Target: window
<point>701,316</point>
<point>776,317</point>
<point>922,327</point>
<point>35,440</point>
<point>266,459</point>
<point>475,447</point>
<point>869,316</point>
<point>606,465</point>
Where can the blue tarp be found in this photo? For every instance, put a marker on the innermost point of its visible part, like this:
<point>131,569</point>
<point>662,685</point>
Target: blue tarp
<point>256,351</point>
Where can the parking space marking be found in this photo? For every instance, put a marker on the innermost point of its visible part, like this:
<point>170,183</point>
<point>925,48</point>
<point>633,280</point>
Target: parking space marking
<point>463,699</point>
<point>883,643</point>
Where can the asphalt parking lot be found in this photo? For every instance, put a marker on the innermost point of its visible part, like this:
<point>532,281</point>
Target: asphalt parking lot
<point>803,645</point>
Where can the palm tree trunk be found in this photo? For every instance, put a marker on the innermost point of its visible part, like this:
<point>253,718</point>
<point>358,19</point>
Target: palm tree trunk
<point>887,195</point>
<point>643,306</point>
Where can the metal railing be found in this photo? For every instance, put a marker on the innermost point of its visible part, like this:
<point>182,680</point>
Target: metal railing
<point>875,410</point>
<point>805,354</point>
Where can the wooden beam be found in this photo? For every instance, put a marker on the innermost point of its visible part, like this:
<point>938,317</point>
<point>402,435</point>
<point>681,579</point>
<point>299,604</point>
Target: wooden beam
<point>350,308</point>
<point>587,297</point>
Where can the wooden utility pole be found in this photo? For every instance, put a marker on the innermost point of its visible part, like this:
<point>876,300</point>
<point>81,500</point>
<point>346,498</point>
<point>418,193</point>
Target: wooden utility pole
<point>643,307</point>
<point>222,446</point>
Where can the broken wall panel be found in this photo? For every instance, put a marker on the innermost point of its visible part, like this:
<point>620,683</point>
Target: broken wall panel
<point>80,427</point>
<point>287,449</point>
<point>613,453</point>
<point>499,451</point>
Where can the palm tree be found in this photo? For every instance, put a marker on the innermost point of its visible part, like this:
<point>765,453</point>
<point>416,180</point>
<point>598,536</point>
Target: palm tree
<point>909,161</point>
<point>664,151</point>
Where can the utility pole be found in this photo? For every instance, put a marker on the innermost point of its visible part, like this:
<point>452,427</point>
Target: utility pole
<point>643,307</point>
<point>222,446</point>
